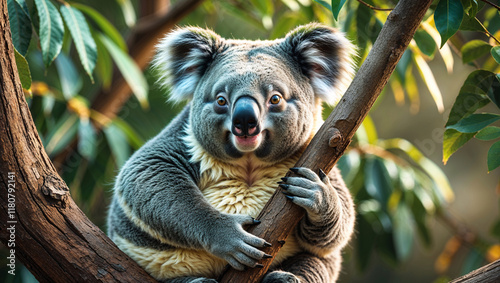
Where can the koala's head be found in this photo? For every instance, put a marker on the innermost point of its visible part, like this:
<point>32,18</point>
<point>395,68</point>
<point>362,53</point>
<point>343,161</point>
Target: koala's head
<point>255,97</point>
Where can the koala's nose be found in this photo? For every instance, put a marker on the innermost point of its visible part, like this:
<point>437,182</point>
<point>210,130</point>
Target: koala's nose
<point>245,117</point>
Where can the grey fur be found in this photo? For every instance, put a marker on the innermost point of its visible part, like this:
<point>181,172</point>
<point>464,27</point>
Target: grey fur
<point>158,186</point>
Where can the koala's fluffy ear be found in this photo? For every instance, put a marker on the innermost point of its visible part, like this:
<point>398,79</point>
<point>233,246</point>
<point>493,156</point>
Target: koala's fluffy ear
<point>182,58</point>
<point>325,56</point>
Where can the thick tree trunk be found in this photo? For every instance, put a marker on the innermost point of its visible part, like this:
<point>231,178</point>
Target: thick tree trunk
<point>39,222</point>
<point>279,217</point>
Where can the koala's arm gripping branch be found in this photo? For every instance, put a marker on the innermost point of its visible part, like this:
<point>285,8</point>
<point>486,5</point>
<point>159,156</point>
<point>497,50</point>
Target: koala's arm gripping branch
<point>279,217</point>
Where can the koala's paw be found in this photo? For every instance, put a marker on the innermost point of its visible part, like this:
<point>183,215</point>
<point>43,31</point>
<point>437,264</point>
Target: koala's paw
<point>280,277</point>
<point>229,241</point>
<point>311,191</point>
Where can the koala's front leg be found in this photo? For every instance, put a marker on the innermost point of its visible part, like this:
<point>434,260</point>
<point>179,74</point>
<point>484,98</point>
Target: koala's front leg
<point>330,211</point>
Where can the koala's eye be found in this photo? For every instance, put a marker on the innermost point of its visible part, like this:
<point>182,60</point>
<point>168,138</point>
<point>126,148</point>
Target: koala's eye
<point>221,101</point>
<point>275,99</point>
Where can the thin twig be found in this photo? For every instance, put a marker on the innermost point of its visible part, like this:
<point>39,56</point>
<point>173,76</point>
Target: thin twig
<point>375,8</point>
<point>492,4</point>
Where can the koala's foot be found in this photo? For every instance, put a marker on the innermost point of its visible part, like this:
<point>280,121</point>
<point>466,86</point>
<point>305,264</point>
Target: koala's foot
<point>280,277</point>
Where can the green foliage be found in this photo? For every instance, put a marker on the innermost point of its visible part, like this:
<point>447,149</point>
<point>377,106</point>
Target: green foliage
<point>448,18</point>
<point>20,25</point>
<point>80,32</point>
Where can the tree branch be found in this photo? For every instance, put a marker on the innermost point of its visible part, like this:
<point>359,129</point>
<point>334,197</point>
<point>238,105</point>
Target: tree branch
<point>487,274</point>
<point>279,217</point>
<point>40,223</point>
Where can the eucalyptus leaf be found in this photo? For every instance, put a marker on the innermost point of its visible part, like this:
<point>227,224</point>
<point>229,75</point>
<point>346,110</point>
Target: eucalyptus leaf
<point>494,156</point>
<point>452,141</point>
<point>336,7</point>
<point>62,134</point>
<point>23,69</point>
<point>474,122</point>
<point>472,95</point>
<point>474,49</point>
<point>488,133</point>
<point>51,31</point>
<point>84,42</point>
<point>377,180</point>
<point>494,91</point>
<point>129,69</point>
<point>117,141</point>
<point>448,18</point>
<point>365,243</point>
<point>495,52</point>
<point>103,23</point>
<point>87,142</point>
<point>324,4</point>
<point>128,12</point>
<point>69,77</point>
<point>403,232</point>
<point>472,24</point>
<point>425,42</point>
<point>20,25</point>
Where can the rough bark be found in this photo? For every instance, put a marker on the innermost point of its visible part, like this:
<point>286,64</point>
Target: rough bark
<point>39,222</point>
<point>487,274</point>
<point>279,217</point>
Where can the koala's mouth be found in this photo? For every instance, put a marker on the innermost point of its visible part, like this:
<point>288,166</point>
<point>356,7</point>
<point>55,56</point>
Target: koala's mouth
<point>248,143</point>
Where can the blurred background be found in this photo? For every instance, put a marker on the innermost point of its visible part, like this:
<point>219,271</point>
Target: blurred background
<point>418,220</point>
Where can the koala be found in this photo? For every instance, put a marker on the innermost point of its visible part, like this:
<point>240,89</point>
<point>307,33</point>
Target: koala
<point>181,202</point>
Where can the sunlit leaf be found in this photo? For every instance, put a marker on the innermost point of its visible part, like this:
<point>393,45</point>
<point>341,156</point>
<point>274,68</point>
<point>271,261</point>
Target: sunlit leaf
<point>51,30</point>
<point>117,141</point>
<point>452,141</point>
<point>69,77</point>
<point>20,25</point>
<point>336,7</point>
<point>472,95</point>
<point>129,69</point>
<point>474,122</point>
<point>474,49</point>
<point>403,232</point>
<point>426,73</point>
<point>448,17</point>
<point>128,12</point>
<point>23,69</point>
<point>87,140</point>
<point>84,42</point>
<point>494,156</point>
<point>445,50</point>
<point>488,133</point>
<point>103,23</point>
<point>62,134</point>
